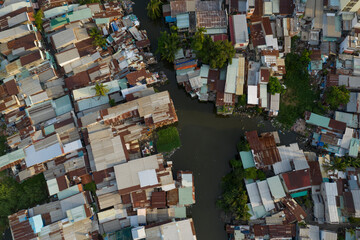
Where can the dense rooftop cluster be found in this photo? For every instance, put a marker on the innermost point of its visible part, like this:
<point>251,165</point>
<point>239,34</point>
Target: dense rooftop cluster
<point>79,108</point>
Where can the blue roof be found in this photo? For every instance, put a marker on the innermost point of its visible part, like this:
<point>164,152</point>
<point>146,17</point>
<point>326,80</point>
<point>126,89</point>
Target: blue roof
<point>123,83</point>
<point>318,120</point>
<point>79,15</point>
<point>36,223</point>
<point>62,105</point>
<point>299,194</point>
<point>204,89</point>
<point>182,20</point>
<point>92,102</point>
<point>247,159</point>
<point>169,19</point>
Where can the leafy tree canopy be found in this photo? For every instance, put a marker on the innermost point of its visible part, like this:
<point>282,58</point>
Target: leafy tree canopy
<point>39,19</point>
<point>168,139</point>
<point>216,54</point>
<point>336,96</point>
<point>98,39</point>
<point>15,196</point>
<point>82,2</point>
<point>168,45</point>
<point>101,89</point>
<point>275,86</point>
<point>154,9</point>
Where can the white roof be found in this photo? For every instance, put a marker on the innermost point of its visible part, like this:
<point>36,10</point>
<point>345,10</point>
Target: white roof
<point>275,102</point>
<point>148,178</point>
<point>67,57</point>
<point>127,173</point>
<point>345,142</point>
<point>173,231</point>
<point>72,146</point>
<point>13,7</point>
<point>138,233</point>
<point>265,195</point>
<point>252,94</point>
<point>331,213</point>
<point>13,33</point>
<point>52,186</point>
<point>63,38</point>
<point>327,235</point>
<point>89,91</point>
<point>33,157</point>
<point>186,180</point>
<point>284,165</point>
<point>240,29</point>
<point>254,194</point>
<point>314,232</point>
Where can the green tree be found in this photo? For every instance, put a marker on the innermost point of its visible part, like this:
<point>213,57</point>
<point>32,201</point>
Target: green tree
<point>275,86</point>
<point>100,89</point>
<point>82,2</point>
<point>337,164</point>
<point>336,96</point>
<point>39,20</point>
<point>98,39</point>
<point>154,9</point>
<point>15,196</point>
<point>168,45</point>
<point>198,39</point>
<point>216,54</point>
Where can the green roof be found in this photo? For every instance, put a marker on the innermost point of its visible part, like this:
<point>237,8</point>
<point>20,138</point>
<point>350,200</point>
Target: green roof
<point>58,22</point>
<point>185,196</point>
<point>102,20</point>
<point>123,83</point>
<point>79,15</point>
<point>123,234</point>
<point>180,212</point>
<point>68,192</point>
<point>276,188</point>
<point>354,147</point>
<point>299,194</point>
<point>11,157</point>
<point>62,105</point>
<point>49,129</point>
<point>247,159</point>
<point>318,120</point>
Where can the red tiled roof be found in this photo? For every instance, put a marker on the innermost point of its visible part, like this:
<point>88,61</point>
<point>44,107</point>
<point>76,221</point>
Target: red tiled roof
<point>341,126</point>
<point>158,199</point>
<point>257,34</point>
<point>297,179</point>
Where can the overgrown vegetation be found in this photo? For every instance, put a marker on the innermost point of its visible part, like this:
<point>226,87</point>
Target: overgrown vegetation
<point>168,139</point>
<point>242,101</point>
<point>82,2</point>
<point>168,45</point>
<point>101,89</point>
<point>3,145</point>
<point>39,20</point>
<point>98,39</point>
<point>91,186</point>
<point>336,96</point>
<point>300,95</point>
<point>154,9</point>
<point>275,86</point>
<point>15,196</point>
<point>216,54</point>
<point>354,220</point>
<point>234,197</point>
<point>341,164</point>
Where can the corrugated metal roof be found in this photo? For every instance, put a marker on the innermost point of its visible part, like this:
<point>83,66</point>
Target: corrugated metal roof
<point>11,157</point>
<point>185,196</point>
<point>79,15</point>
<point>254,195</point>
<point>354,147</point>
<point>350,119</point>
<point>76,214</point>
<point>180,212</point>
<point>182,20</point>
<point>265,195</point>
<point>247,159</point>
<point>62,105</point>
<point>58,22</point>
<point>318,120</point>
<point>90,91</point>
<point>52,186</point>
<point>276,188</point>
<point>102,20</point>
<point>231,76</point>
<point>53,12</point>
<point>240,78</point>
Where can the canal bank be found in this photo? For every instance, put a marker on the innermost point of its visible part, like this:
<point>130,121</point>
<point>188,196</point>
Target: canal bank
<point>208,141</point>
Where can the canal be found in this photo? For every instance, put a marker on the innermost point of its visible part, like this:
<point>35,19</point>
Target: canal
<point>208,141</point>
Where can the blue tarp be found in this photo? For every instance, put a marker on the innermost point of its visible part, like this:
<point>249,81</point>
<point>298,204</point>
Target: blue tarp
<point>169,19</point>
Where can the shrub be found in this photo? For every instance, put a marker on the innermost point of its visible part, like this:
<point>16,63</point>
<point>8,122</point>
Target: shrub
<point>168,139</point>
